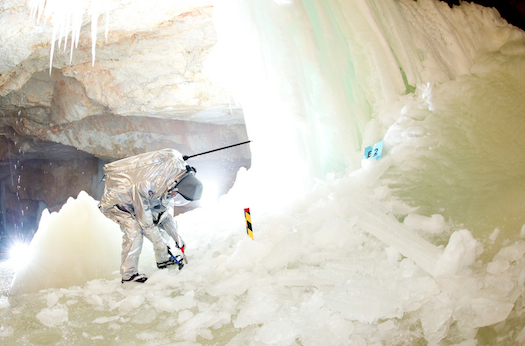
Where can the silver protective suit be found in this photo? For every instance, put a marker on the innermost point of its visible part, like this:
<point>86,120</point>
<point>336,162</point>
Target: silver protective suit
<point>137,197</point>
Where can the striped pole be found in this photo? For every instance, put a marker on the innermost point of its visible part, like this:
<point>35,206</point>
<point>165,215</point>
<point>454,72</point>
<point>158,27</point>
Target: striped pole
<point>248,222</point>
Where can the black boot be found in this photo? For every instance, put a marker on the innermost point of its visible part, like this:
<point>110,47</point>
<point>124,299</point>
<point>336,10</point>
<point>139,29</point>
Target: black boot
<point>135,278</point>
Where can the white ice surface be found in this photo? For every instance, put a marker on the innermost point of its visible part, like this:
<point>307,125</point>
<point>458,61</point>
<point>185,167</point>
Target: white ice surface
<point>389,252</point>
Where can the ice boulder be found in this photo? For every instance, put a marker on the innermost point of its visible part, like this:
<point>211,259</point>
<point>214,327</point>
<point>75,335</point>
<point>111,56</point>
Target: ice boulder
<point>458,255</point>
<point>71,247</point>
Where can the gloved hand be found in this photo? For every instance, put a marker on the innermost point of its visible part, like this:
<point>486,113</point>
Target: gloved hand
<point>183,254</point>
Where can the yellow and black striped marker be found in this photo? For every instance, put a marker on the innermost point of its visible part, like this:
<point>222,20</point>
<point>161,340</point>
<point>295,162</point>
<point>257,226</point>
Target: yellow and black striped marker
<point>248,222</point>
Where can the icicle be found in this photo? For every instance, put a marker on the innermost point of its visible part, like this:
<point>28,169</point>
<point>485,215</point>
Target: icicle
<point>65,29</point>
<point>94,21</point>
<point>71,50</point>
<point>66,16</point>
<point>52,51</point>
<point>75,30</point>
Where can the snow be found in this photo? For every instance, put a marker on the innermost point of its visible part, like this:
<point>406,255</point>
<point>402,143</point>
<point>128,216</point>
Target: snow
<point>346,251</point>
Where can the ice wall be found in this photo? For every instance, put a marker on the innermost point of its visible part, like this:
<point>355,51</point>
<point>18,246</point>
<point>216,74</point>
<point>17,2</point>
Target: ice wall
<point>451,137</point>
<point>325,68</point>
<point>338,76</point>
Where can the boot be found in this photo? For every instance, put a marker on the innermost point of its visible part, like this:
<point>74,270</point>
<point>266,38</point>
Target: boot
<point>135,278</point>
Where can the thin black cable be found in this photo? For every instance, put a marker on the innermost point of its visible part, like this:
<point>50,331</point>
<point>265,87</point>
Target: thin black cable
<point>185,157</point>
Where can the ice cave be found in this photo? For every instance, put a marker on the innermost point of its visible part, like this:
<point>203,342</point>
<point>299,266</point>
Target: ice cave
<point>385,173</point>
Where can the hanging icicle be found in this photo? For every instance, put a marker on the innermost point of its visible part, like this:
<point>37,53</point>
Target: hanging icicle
<point>66,17</point>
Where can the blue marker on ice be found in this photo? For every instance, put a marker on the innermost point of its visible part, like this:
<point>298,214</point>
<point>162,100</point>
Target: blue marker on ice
<point>374,152</point>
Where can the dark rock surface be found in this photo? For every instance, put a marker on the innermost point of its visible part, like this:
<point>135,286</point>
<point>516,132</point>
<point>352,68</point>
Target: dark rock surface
<point>512,10</point>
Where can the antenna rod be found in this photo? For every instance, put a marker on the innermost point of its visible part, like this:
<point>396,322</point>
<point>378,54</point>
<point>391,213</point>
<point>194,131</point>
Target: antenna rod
<point>211,151</point>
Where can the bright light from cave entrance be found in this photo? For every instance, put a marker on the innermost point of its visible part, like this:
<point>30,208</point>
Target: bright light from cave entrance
<point>19,255</point>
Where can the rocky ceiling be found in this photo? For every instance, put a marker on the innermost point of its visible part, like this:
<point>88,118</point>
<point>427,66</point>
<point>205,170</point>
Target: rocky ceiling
<point>149,68</point>
<point>147,89</point>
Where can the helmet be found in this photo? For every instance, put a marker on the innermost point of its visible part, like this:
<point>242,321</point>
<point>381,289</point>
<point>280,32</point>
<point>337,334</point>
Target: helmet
<point>189,187</point>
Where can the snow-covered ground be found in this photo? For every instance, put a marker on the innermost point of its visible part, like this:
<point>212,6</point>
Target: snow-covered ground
<point>424,246</point>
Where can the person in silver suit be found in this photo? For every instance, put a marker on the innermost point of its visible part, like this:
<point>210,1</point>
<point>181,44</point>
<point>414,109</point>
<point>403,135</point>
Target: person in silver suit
<point>140,194</point>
